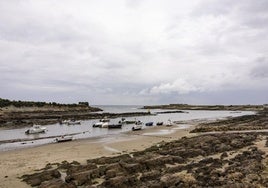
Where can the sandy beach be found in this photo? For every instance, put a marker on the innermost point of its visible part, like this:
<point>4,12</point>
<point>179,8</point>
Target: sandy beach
<point>25,161</point>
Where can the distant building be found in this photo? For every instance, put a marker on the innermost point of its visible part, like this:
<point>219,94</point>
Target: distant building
<point>265,106</point>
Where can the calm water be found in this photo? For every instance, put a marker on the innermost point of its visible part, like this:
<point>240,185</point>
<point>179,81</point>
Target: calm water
<point>85,130</point>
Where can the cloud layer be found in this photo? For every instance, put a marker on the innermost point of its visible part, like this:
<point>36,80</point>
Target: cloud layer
<point>134,52</point>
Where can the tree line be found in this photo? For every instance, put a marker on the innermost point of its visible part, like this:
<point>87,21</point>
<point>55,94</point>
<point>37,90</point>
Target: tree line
<point>6,102</point>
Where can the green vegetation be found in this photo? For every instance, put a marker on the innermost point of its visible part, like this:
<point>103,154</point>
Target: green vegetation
<point>6,103</point>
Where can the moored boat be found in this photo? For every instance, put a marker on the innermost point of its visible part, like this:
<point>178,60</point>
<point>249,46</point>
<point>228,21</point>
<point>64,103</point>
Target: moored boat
<point>138,122</point>
<point>130,121</point>
<point>105,120</point>
<point>98,124</point>
<point>159,123</point>
<point>170,123</point>
<point>114,126</point>
<point>64,139</point>
<point>104,125</point>
<point>73,122</point>
<point>36,129</point>
<point>149,124</point>
<point>136,127</point>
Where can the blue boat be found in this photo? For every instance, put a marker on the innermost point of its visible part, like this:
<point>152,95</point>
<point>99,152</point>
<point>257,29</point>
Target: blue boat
<point>149,124</point>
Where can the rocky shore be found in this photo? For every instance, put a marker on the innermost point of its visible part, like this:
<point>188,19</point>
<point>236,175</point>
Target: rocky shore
<point>247,122</point>
<point>211,160</point>
<point>226,160</point>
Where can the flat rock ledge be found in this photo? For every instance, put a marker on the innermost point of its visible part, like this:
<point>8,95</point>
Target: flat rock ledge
<point>223,160</point>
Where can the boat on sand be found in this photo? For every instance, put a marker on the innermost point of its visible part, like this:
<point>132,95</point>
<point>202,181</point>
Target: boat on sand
<point>98,124</point>
<point>149,124</point>
<point>136,127</point>
<point>64,139</point>
<point>170,123</point>
<point>159,123</point>
<point>73,122</point>
<point>36,129</point>
<point>104,125</point>
<point>114,126</point>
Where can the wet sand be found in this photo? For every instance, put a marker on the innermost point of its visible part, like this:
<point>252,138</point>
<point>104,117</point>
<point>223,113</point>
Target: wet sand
<point>25,161</point>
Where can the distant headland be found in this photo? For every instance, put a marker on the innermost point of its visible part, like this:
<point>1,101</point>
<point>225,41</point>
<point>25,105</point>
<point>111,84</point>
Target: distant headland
<point>247,107</point>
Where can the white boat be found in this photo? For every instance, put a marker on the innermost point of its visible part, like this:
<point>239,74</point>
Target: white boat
<point>73,122</point>
<point>36,129</point>
<point>98,124</point>
<point>104,125</point>
<point>65,121</point>
<point>136,127</point>
<point>138,122</point>
<point>64,139</point>
<point>170,123</point>
<point>105,120</point>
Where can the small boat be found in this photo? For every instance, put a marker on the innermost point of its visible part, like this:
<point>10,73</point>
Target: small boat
<point>65,121</point>
<point>138,122</point>
<point>170,123</point>
<point>104,120</point>
<point>104,125</point>
<point>159,123</point>
<point>114,126</point>
<point>149,124</point>
<point>64,139</point>
<point>136,127</point>
<point>73,122</point>
<point>36,129</point>
<point>98,124</point>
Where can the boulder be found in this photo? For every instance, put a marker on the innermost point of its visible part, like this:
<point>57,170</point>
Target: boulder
<point>120,182</point>
<point>79,178</point>
<point>37,178</point>
<point>151,175</point>
<point>110,174</point>
<point>56,183</point>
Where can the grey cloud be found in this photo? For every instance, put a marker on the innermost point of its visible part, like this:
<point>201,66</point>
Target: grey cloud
<point>260,70</point>
<point>132,52</point>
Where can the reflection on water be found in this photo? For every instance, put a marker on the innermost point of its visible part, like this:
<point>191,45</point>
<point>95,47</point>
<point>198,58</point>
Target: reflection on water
<point>85,129</point>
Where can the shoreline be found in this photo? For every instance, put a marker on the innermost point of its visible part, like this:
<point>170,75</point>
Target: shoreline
<point>16,163</point>
<point>30,142</point>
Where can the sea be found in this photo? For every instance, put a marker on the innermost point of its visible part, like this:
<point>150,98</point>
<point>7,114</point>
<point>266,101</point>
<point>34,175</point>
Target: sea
<point>85,130</point>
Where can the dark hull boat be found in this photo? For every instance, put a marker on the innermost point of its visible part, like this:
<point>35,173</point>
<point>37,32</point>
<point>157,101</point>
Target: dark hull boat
<point>159,123</point>
<point>149,124</point>
<point>115,126</point>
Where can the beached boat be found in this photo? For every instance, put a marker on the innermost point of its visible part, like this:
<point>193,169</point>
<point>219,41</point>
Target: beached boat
<point>159,123</point>
<point>64,139</point>
<point>136,127</point>
<point>149,124</point>
<point>114,126</point>
<point>170,123</point>
<point>36,129</point>
<point>130,121</point>
<point>73,122</point>
<point>104,125</point>
<point>98,124</point>
<point>138,122</point>
<point>124,121</point>
<point>105,120</point>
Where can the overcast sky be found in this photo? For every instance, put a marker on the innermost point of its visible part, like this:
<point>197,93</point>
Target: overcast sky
<point>134,51</point>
